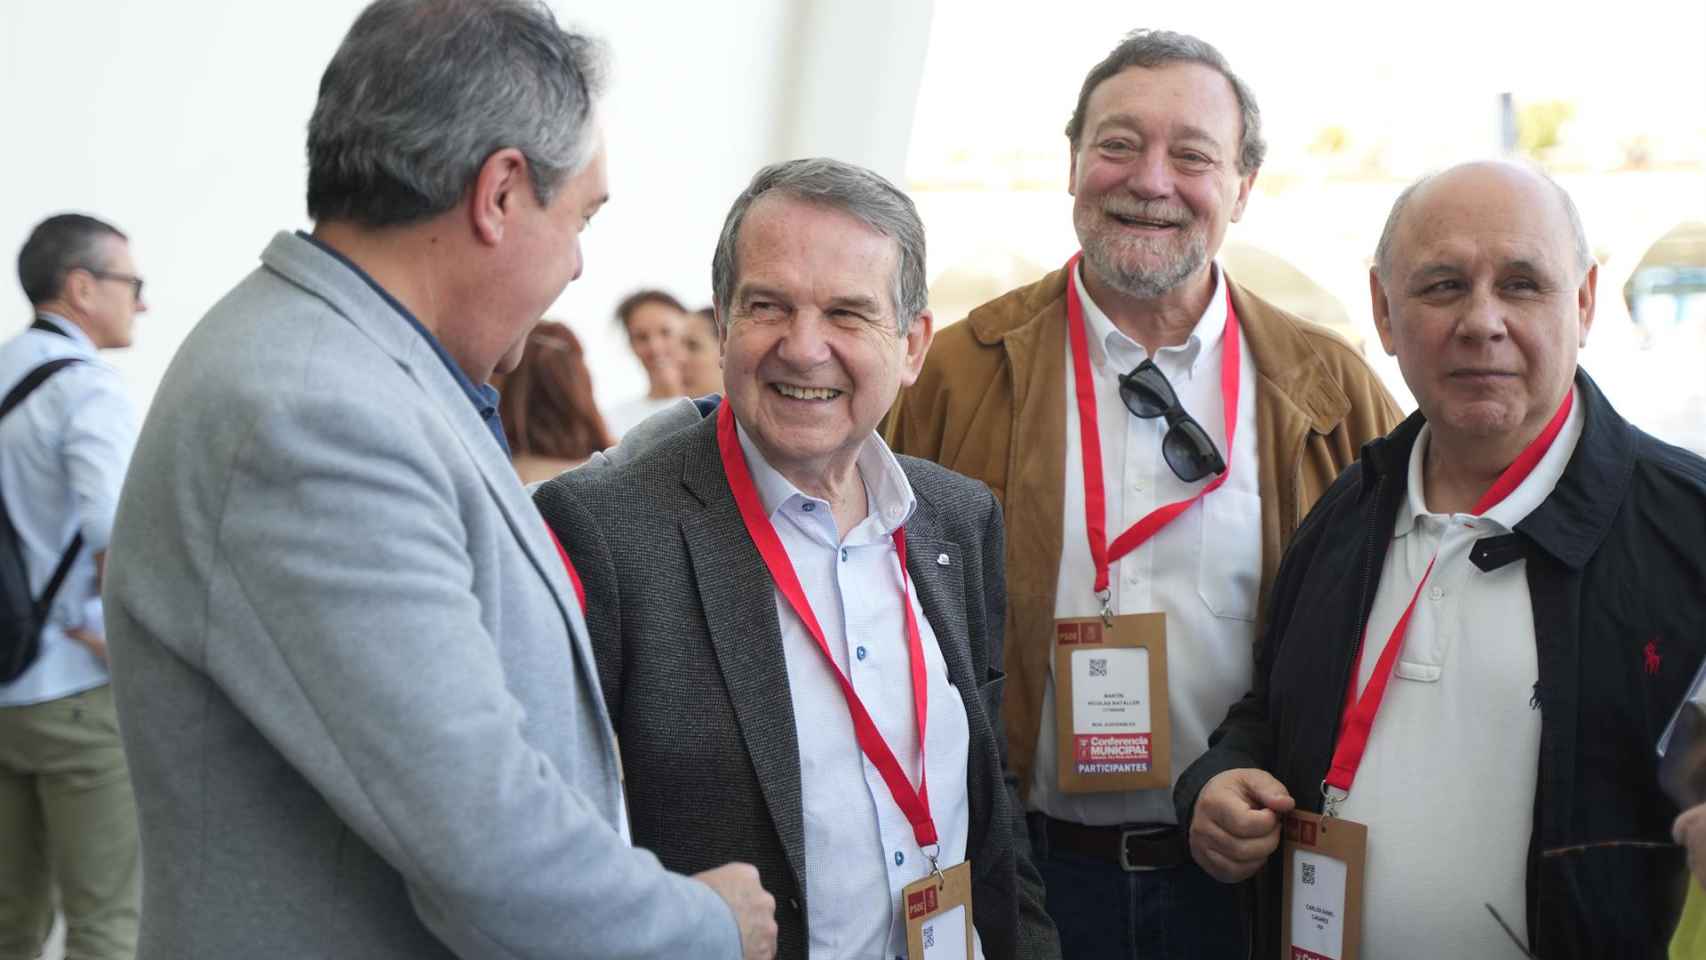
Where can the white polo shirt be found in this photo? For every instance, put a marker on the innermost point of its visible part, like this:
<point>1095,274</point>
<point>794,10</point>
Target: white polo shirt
<point>1446,786</point>
<point>1203,570</point>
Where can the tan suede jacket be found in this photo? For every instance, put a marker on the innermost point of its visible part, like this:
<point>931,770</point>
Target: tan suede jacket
<point>991,404</point>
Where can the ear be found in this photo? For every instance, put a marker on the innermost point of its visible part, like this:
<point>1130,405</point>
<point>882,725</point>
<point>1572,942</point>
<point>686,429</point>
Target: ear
<point>918,338</point>
<point>499,187</point>
<point>1382,313</point>
<point>78,289</point>
<point>1585,299</point>
<point>1072,170</point>
<point>1244,184</point>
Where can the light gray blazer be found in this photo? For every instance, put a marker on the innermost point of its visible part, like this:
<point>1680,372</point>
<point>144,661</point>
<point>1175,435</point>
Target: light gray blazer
<point>361,712</point>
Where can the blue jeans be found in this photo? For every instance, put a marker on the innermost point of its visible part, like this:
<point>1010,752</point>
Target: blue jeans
<point>1106,913</point>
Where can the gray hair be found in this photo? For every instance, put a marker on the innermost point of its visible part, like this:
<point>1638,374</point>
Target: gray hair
<point>59,245</point>
<point>1157,48</point>
<point>1388,233</point>
<point>422,92</point>
<point>851,189</point>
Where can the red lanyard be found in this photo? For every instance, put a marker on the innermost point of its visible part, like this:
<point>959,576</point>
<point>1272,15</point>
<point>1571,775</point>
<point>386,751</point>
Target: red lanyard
<point>1090,437</point>
<point>915,804</point>
<point>1359,712</point>
<point>569,565</point>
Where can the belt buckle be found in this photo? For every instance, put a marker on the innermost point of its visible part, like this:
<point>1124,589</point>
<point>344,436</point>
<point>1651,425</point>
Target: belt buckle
<point>1126,836</point>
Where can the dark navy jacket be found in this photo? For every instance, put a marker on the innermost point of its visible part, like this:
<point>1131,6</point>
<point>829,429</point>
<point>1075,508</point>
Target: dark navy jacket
<point>1616,561</point>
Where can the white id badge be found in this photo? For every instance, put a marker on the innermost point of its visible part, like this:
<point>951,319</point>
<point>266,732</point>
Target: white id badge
<point>1324,861</point>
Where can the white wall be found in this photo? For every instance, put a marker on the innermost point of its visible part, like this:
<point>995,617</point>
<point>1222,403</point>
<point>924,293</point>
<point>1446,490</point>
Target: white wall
<point>183,123</point>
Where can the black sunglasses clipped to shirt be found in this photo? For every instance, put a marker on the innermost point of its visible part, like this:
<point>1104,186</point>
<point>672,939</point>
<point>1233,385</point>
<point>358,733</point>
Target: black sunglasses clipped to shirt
<point>1186,445</point>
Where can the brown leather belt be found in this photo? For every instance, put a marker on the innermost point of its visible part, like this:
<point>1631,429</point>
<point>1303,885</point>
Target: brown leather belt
<point>1141,846</point>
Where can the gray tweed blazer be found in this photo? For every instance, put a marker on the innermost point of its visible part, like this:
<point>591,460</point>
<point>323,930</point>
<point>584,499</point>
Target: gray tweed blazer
<point>689,651</point>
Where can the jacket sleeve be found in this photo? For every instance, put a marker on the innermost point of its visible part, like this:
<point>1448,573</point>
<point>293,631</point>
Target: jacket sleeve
<point>357,647</point>
<point>1245,738</point>
<point>1037,937</point>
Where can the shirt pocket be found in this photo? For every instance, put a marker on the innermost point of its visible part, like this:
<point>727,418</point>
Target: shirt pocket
<point>1230,566</point>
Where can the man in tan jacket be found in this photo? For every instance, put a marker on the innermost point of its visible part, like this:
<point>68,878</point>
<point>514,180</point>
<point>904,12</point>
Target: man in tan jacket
<point>1210,421</point>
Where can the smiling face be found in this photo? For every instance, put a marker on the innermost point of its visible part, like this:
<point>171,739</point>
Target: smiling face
<point>1155,176</point>
<point>654,334</point>
<point>542,245</point>
<point>701,361</point>
<point>812,353</point>
<point>1484,301</point>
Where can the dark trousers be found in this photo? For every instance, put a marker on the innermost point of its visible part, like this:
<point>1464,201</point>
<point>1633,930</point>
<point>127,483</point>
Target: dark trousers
<point>1104,912</point>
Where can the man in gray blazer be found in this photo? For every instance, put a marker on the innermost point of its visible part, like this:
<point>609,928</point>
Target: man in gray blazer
<point>757,579</point>
<point>355,685</point>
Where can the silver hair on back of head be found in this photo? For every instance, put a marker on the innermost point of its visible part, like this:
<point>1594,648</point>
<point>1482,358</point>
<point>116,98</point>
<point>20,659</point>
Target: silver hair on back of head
<point>421,92</point>
<point>858,192</point>
<point>1389,233</point>
<point>1157,48</point>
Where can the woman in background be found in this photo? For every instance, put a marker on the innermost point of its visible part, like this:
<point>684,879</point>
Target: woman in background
<point>547,408</point>
<point>701,355</point>
<point>653,321</point>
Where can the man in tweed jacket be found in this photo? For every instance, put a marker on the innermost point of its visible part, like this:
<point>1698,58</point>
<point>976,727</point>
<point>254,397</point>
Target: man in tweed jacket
<point>735,730</point>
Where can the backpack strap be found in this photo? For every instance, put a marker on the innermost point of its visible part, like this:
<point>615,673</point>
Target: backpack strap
<point>34,379</point>
<point>45,326</point>
<point>25,387</point>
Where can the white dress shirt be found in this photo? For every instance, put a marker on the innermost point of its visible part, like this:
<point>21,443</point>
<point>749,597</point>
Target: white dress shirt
<point>63,454</point>
<point>860,848</point>
<point>1446,785</point>
<point>1203,570</point>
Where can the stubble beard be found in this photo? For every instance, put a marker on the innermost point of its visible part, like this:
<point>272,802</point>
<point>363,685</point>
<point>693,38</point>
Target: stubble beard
<point>1119,261</point>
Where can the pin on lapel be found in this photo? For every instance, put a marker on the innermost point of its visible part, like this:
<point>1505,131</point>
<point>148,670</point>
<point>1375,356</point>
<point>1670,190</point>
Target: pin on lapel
<point>941,559</point>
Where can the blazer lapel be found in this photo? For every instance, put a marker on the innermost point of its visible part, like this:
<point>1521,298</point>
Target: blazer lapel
<point>735,591</point>
<point>316,271</point>
<point>941,595</point>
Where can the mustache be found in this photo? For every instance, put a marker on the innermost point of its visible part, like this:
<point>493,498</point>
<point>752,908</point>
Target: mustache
<point>1160,210</point>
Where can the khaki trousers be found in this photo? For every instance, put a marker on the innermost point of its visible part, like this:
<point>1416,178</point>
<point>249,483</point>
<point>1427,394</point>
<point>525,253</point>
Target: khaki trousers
<point>67,820</point>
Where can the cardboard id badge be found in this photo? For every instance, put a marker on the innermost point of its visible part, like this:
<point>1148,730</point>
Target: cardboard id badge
<point>1110,696</point>
<point>938,915</point>
<point>1322,915</point>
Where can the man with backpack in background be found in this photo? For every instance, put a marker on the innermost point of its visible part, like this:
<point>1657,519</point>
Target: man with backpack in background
<point>67,817</point>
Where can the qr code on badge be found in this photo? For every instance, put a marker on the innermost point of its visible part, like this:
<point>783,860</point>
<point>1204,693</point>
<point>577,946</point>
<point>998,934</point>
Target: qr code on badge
<point>1098,666</point>
<point>929,935</point>
<point>1308,874</point>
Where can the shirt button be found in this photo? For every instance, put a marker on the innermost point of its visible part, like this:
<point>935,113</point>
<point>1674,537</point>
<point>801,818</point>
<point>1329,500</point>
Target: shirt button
<point>1436,593</point>
<point>860,653</point>
<point>808,506</point>
<point>899,858</point>
<point>843,554</point>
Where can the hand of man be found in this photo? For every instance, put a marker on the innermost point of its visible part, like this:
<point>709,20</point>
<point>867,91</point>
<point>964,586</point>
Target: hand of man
<point>1690,831</point>
<point>93,639</point>
<point>754,909</point>
<point>1236,825</point>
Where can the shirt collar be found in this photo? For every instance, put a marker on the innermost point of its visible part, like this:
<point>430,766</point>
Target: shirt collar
<point>1107,340</point>
<point>890,496</point>
<point>68,328</point>
<point>1522,501</point>
<point>483,396</point>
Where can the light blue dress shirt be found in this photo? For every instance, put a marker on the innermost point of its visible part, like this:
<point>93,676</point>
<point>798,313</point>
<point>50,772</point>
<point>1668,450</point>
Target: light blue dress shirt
<point>63,454</point>
<point>860,849</point>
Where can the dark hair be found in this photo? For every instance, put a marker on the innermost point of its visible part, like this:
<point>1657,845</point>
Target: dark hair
<point>422,92</point>
<point>1157,48</point>
<point>57,246</point>
<point>639,298</point>
<point>546,403</point>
